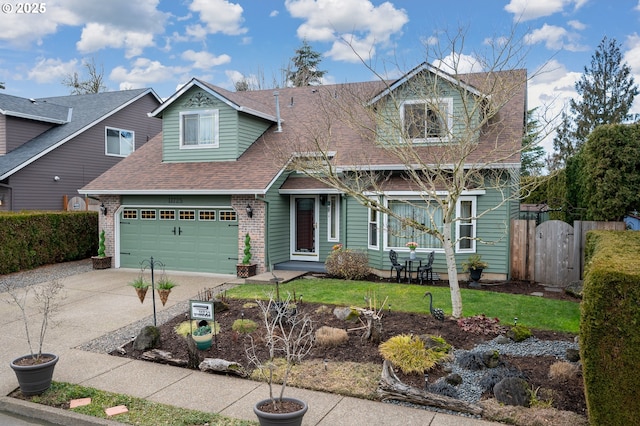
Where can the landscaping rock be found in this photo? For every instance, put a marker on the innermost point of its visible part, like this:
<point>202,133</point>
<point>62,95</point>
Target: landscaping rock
<point>148,338</point>
<point>573,355</point>
<point>491,359</point>
<point>217,365</point>
<point>454,379</point>
<point>345,313</point>
<point>512,391</point>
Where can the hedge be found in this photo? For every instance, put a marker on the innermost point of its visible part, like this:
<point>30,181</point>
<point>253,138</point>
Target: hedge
<point>31,239</point>
<point>610,327</point>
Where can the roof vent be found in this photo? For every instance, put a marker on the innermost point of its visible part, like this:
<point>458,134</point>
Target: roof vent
<point>33,101</point>
<point>277,96</point>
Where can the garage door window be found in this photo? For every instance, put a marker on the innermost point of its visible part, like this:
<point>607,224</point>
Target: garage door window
<point>167,214</point>
<point>228,215</point>
<point>187,215</point>
<point>148,214</point>
<point>129,214</point>
<point>207,215</point>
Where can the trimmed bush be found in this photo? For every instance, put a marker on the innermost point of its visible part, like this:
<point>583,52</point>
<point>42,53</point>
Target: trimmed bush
<point>244,326</point>
<point>347,264</point>
<point>31,239</point>
<point>609,337</point>
<point>409,353</point>
<point>330,336</point>
<point>518,333</point>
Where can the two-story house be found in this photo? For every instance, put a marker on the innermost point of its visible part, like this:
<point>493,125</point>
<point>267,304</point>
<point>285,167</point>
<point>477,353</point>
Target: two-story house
<point>51,147</point>
<point>221,168</point>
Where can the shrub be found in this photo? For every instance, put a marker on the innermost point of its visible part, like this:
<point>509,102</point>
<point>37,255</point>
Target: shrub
<point>562,371</point>
<point>480,324</point>
<point>409,354</point>
<point>244,326</point>
<point>188,327</point>
<point>518,333</point>
<point>331,336</point>
<point>347,264</point>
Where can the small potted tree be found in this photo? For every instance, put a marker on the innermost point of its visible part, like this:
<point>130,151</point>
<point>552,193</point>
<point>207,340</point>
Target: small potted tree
<point>101,261</point>
<point>246,269</point>
<point>474,265</point>
<point>289,335</point>
<point>35,370</point>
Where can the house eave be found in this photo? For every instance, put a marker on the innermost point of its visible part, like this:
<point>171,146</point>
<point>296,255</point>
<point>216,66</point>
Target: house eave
<point>35,117</point>
<point>256,192</point>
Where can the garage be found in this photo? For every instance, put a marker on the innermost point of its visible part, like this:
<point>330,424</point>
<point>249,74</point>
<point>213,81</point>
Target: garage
<point>186,239</point>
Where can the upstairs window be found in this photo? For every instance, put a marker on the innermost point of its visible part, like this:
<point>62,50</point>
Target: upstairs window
<point>119,142</point>
<point>199,129</point>
<point>427,121</point>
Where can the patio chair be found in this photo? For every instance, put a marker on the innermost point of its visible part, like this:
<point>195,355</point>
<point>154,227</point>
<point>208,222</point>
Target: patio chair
<point>393,256</point>
<point>425,272</point>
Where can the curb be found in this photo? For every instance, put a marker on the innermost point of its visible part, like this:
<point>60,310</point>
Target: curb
<point>53,415</point>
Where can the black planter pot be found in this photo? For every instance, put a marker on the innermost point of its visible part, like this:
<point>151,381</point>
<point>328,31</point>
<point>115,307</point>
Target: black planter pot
<point>288,419</point>
<point>34,379</point>
<point>474,276</point>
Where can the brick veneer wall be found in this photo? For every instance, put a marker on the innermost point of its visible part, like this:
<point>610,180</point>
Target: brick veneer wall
<point>107,223</point>
<point>255,226</point>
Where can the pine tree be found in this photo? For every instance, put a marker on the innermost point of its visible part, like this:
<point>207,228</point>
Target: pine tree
<point>532,152</point>
<point>606,91</point>
<point>305,67</point>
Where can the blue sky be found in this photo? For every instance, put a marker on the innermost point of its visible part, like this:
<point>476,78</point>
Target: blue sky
<point>163,44</point>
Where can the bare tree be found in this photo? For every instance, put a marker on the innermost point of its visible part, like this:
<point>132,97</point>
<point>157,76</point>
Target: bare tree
<point>430,147</point>
<point>92,83</point>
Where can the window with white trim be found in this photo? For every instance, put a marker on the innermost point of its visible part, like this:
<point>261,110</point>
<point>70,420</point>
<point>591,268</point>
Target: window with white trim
<point>199,129</point>
<point>430,214</point>
<point>119,142</point>
<point>374,229</point>
<point>466,225</point>
<point>333,218</point>
<point>427,121</point>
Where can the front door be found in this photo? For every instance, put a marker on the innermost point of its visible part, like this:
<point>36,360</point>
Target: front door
<point>304,228</point>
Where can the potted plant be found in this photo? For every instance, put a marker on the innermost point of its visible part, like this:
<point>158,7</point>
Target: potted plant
<point>412,249</point>
<point>35,370</point>
<point>474,265</point>
<point>289,334</point>
<point>101,261</point>
<point>164,286</point>
<point>246,269</point>
<point>203,335</point>
<point>141,286</point>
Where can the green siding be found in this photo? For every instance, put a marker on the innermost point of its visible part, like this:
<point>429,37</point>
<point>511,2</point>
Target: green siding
<point>277,224</point>
<point>237,131</point>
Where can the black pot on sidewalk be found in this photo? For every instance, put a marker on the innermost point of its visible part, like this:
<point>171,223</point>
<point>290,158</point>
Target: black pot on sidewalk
<point>274,419</point>
<point>34,379</point>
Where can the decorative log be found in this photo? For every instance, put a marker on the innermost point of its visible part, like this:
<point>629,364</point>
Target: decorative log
<point>217,365</point>
<point>158,355</point>
<point>391,387</point>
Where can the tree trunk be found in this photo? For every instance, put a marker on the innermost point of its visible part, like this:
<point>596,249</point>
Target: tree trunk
<point>391,387</point>
<point>452,270</point>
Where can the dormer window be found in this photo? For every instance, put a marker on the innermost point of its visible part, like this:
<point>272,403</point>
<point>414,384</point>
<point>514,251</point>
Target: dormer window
<point>118,142</point>
<point>199,129</point>
<point>427,121</point>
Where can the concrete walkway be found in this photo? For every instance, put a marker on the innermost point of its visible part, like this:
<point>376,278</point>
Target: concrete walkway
<point>99,302</point>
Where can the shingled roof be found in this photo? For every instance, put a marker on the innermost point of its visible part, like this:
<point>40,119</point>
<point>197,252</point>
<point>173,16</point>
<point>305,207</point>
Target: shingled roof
<point>303,113</point>
<point>72,114</point>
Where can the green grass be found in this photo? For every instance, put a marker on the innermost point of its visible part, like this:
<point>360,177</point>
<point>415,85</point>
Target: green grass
<point>531,311</point>
<point>141,412</point>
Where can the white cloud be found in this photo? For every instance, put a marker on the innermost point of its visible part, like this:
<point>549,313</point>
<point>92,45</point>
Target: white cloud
<point>274,13</point>
<point>526,10</point>
<point>351,49</point>
<point>219,16</point>
<point>457,63</point>
<point>143,73</point>
<point>632,58</point>
<point>51,70</point>
<point>99,36</point>
<point>577,25</point>
<point>359,21</point>
<point>205,60</point>
<point>555,38</point>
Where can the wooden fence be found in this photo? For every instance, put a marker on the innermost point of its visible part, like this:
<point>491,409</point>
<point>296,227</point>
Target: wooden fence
<point>551,253</point>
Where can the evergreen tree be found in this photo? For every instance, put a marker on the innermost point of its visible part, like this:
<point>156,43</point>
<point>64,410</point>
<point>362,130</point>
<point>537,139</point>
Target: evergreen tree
<point>606,90</point>
<point>305,67</point>
<point>1,85</point>
<point>532,152</point>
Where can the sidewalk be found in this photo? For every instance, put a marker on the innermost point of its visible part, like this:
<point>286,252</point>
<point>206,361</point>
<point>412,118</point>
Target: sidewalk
<point>99,302</point>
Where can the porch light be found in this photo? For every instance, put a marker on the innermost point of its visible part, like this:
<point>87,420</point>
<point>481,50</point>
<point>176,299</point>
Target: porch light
<point>1,199</point>
<point>103,209</point>
<point>249,211</point>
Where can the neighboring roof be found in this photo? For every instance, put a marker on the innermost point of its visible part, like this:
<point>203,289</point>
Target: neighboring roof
<point>34,109</point>
<point>85,112</point>
<point>306,113</point>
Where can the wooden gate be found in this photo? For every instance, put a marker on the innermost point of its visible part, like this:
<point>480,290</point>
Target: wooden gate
<point>553,252</point>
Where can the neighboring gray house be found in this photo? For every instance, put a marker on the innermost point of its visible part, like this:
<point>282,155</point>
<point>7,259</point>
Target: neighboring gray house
<point>51,147</point>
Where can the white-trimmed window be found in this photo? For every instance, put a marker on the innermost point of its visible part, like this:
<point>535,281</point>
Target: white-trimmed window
<point>427,121</point>
<point>119,142</point>
<point>333,218</point>
<point>373,229</point>
<point>466,225</point>
<point>199,129</point>
<point>430,214</point>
